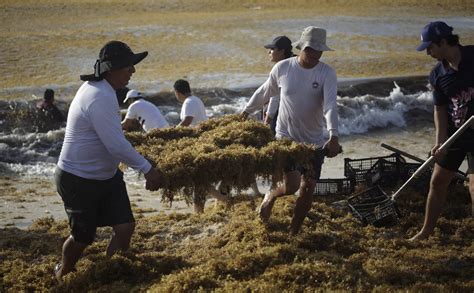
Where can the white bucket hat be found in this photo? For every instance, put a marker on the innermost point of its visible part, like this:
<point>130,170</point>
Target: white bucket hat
<point>132,94</point>
<point>313,37</point>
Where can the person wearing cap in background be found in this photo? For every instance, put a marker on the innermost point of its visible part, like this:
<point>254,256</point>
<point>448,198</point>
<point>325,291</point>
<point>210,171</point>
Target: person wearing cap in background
<point>279,49</point>
<point>87,175</point>
<point>147,114</point>
<point>452,81</point>
<point>49,108</point>
<point>308,92</point>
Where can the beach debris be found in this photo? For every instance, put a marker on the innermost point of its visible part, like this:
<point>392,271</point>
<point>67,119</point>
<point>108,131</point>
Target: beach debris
<point>373,206</point>
<point>426,165</point>
<point>335,186</point>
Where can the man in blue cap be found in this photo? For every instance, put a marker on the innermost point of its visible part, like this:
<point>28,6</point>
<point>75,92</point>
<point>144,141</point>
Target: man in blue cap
<point>452,80</point>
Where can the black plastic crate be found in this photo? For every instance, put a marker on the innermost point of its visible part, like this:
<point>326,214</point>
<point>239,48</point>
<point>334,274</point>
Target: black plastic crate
<point>340,186</point>
<point>358,168</point>
<point>383,173</point>
<point>422,183</point>
<point>374,207</point>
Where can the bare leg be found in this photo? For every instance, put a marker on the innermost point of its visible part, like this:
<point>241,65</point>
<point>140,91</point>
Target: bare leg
<point>303,204</point>
<point>471,191</point>
<point>198,207</point>
<point>254,187</point>
<point>291,183</point>
<point>71,253</point>
<point>121,238</point>
<point>219,195</point>
<point>199,200</point>
<point>440,180</point>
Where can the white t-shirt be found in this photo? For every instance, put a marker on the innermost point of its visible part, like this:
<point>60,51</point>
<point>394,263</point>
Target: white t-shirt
<point>94,143</point>
<point>307,96</point>
<point>147,114</point>
<point>194,107</point>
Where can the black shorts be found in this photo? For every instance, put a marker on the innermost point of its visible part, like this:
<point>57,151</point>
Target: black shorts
<point>316,165</point>
<point>93,203</point>
<point>456,154</point>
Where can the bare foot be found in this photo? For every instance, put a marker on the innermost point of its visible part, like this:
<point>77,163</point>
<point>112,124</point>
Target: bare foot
<point>419,236</point>
<point>57,273</point>
<point>265,208</point>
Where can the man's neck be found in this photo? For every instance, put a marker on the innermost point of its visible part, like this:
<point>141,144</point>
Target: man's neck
<point>111,82</point>
<point>453,57</point>
<point>306,65</point>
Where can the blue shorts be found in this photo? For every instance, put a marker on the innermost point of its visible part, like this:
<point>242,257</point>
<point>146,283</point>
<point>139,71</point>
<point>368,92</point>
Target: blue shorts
<point>93,203</point>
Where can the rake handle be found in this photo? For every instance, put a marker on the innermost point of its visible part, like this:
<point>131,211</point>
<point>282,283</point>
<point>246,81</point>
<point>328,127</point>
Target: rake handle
<point>430,160</point>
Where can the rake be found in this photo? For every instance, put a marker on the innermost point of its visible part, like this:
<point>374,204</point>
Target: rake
<point>431,159</point>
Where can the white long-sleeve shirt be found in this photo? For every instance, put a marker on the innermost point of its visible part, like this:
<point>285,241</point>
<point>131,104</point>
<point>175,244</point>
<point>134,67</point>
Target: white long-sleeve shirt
<point>273,106</point>
<point>307,97</point>
<point>94,143</point>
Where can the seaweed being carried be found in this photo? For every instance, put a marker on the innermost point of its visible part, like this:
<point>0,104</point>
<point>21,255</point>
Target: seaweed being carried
<point>230,149</point>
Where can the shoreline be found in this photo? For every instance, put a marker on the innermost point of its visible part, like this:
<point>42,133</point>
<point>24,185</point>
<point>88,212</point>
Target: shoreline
<point>347,86</point>
<point>27,199</point>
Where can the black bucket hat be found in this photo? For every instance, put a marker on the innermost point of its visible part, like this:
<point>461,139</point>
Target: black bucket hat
<point>114,55</point>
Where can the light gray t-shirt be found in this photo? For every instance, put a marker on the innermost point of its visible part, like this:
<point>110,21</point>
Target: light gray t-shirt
<point>307,97</point>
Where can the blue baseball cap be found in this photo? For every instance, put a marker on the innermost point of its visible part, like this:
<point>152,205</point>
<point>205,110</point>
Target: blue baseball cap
<point>434,32</point>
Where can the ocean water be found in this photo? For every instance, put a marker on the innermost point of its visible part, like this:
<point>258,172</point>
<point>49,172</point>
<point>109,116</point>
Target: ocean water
<point>30,144</point>
<point>397,112</point>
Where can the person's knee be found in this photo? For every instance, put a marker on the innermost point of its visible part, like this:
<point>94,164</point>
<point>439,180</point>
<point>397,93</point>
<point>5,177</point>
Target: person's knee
<point>291,182</point>
<point>71,241</point>
<point>83,236</point>
<point>440,179</point>
<point>308,185</point>
<point>124,232</point>
<point>291,187</point>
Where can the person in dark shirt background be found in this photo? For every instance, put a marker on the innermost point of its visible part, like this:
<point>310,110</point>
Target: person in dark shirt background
<point>49,108</point>
<point>452,80</point>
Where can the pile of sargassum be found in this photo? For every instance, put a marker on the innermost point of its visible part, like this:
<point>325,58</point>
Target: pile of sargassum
<point>230,149</point>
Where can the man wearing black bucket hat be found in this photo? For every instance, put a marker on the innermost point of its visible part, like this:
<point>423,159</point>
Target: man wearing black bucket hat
<point>452,80</point>
<point>87,177</point>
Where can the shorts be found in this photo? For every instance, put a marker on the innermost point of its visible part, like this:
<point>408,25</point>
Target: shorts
<point>93,203</point>
<point>456,153</point>
<point>316,165</point>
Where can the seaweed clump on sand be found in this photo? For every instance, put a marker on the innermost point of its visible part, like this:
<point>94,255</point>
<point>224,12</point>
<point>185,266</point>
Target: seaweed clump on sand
<point>233,251</point>
<point>230,149</point>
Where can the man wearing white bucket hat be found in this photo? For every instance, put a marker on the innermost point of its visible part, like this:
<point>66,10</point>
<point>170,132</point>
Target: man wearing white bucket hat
<point>308,91</point>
